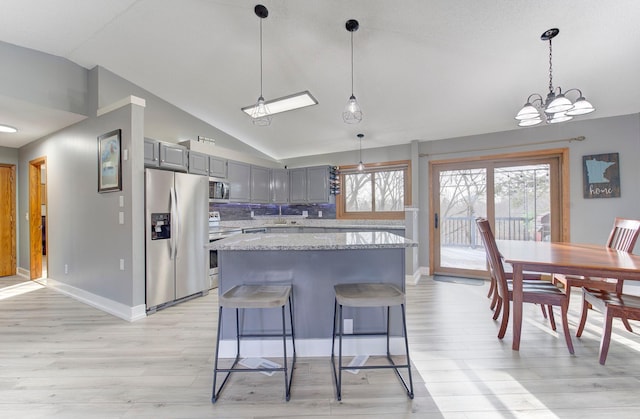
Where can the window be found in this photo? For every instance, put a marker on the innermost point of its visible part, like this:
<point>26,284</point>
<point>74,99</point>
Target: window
<point>380,191</point>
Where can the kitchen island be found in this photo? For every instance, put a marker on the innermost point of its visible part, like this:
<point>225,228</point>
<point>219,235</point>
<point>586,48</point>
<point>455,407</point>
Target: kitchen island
<point>313,263</point>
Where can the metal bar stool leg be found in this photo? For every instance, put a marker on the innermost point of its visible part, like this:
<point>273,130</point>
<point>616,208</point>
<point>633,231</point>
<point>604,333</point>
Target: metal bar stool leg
<point>256,297</point>
<point>360,295</point>
<point>215,394</point>
<point>293,343</point>
<point>406,346</point>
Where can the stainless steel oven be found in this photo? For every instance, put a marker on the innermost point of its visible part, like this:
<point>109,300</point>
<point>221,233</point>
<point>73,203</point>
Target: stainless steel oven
<point>216,232</point>
<point>213,266</point>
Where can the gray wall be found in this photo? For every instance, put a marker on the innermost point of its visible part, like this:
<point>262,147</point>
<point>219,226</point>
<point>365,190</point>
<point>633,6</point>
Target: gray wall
<point>43,79</point>
<point>8,155</point>
<point>83,229</point>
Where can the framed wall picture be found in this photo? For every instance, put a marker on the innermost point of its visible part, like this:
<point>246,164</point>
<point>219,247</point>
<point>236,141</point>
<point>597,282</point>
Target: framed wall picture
<point>109,162</point>
<point>601,175</point>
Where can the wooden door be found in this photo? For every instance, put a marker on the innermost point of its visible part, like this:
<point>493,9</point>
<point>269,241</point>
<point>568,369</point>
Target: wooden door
<point>35,217</point>
<point>7,220</point>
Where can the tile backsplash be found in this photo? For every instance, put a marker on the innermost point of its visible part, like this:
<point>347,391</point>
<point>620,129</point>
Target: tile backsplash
<point>230,212</point>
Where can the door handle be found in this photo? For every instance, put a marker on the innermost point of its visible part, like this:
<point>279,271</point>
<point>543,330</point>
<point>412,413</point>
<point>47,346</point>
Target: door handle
<point>435,221</point>
<point>174,223</point>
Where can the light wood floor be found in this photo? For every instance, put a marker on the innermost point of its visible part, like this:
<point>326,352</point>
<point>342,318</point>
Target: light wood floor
<point>62,359</point>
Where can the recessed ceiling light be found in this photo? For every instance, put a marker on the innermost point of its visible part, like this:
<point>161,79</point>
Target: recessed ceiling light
<point>286,103</point>
<point>7,128</point>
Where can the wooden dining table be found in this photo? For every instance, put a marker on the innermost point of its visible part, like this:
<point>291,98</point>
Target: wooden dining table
<point>562,258</point>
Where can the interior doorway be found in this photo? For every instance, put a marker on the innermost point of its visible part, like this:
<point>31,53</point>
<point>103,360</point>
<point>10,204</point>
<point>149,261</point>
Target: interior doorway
<point>38,218</point>
<point>7,220</point>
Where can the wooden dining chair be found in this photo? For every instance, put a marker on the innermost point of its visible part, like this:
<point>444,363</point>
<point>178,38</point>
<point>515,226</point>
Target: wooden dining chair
<point>544,293</point>
<point>611,304</point>
<point>623,237</point>
<point>530,279</point>
<point>496,300</point>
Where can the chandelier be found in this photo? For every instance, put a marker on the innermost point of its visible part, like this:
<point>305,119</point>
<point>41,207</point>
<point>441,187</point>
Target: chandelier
<point>557,107</point>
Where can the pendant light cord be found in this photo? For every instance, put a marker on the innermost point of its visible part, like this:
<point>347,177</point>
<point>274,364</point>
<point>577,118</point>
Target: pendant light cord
<point>351,63</point>
<point>261,57</point>
<point>550,68</point>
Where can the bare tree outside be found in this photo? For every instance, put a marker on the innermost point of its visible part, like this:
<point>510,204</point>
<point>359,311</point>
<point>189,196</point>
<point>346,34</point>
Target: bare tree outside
<point>378,191</point>
<point>389,190</point>
<point>358,192</point>
<point>521,198</point>
<point>462,199</point>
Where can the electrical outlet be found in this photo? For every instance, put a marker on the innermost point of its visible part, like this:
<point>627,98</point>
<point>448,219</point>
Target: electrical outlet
<point>122,264</point>
<point>319,214</point>
<point>121,217</point>
<point>347,327</point>
<point>66,268</point>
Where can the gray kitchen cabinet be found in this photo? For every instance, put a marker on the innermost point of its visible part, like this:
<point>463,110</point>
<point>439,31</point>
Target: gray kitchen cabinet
<point>239,177</point>
<point>309,185</point>
<point>318,184</point>
<point>217,167</point>
<point>174,157</point>
<point>260,185</point>
<point>151,152</point>
<point>298,185</point>
<point>198,163</point>
<point>279,186</point>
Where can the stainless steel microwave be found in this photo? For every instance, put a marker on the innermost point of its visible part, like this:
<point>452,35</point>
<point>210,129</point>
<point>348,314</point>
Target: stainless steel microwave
<point>218,190</point>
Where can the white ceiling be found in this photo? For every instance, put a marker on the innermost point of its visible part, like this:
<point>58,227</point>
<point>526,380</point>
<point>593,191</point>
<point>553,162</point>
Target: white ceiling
<point>424,70</point>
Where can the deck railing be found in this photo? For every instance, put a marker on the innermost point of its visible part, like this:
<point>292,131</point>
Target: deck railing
<point>462,231</point>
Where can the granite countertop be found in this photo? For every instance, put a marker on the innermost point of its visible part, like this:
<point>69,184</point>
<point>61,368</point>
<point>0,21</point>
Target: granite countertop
<point>313,241</point>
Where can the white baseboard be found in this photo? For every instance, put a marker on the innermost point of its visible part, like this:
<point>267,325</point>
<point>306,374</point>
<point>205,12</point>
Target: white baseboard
<point>351,346</point>
<point>120,310</point>
<point>25,273</point>
<point>413,279</point>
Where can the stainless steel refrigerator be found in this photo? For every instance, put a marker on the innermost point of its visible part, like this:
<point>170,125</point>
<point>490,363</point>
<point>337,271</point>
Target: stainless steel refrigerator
<point>176,214</point>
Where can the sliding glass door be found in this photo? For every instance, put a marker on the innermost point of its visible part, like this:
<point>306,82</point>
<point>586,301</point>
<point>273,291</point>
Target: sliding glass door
<point>520,196</point>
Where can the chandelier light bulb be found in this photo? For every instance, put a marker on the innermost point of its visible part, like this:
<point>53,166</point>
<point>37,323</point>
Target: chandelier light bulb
<point>559,104</point>
<point>581,107</point>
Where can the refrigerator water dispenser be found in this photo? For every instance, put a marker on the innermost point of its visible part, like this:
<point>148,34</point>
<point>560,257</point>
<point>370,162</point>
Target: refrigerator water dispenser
<point>160,225</point>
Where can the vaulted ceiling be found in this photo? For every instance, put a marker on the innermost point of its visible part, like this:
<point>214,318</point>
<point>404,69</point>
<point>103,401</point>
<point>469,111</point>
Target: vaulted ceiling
<point>423,70</point>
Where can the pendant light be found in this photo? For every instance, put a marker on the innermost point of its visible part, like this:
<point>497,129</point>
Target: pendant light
<point>352,113</point>
<point>360,164</point>
<point>557,107</point>
<point>260,113</point>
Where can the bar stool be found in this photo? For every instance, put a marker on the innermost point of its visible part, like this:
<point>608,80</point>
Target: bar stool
<point>368,295</point>
<point>251,297</point>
